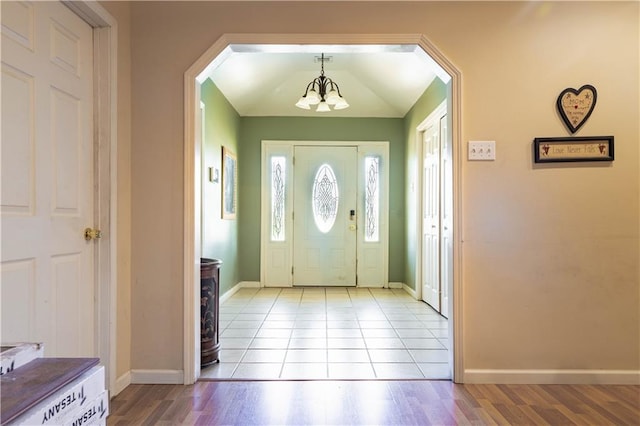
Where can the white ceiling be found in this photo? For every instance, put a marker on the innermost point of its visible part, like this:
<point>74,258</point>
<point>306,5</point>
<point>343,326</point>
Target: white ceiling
<point>377,81</point>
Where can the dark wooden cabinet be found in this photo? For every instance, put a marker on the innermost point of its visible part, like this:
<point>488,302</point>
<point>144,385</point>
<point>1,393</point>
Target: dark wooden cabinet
<point>209,311</point>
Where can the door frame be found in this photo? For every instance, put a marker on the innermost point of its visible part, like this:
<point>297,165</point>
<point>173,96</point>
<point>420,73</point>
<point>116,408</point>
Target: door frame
<point>105,113</point>
<point>286,148</point>
<point>193,78</point>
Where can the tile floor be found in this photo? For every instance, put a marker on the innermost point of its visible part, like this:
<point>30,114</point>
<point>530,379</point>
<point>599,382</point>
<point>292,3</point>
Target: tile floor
<point>329,333</point>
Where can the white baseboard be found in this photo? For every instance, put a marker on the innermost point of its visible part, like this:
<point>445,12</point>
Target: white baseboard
<point>250,284</point>
<point>543,377</point>
<point>411,291</point>
<point>233,290</point>
<point>157,377</point>
<point>121,383</point>
<point>395,284</point>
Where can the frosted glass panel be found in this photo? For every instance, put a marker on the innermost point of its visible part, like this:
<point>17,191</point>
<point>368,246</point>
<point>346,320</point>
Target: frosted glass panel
<point>278,166</point>
<point>325,198</point>
<point>372,199</point>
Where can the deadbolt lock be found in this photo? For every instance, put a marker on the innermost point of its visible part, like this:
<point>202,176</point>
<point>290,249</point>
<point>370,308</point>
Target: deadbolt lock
<point>92,234</point>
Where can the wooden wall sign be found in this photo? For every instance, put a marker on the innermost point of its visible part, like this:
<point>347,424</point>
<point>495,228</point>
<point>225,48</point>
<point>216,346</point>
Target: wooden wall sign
<point>571,149</point>
<point>575,106</point>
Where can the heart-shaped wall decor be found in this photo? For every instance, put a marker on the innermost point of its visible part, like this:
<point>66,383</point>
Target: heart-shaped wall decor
<point>575,106</point>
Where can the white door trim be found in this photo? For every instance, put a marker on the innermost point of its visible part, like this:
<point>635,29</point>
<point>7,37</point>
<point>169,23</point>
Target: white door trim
<point>105,41</point>
<point>215,54</point>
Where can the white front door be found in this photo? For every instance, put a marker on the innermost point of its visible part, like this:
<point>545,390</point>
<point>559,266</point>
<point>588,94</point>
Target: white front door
<point>431,216</point>
<point>325,215</point>
<point>47,282</point>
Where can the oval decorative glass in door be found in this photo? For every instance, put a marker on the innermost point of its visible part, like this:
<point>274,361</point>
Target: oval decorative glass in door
<point>325,197</point>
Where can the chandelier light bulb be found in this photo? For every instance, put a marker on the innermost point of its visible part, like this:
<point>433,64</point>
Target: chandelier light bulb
<point>323,107</point>
<point>341,104</point>
<point>333,97</point>
<point>312,97</point>
<point>302,103</point>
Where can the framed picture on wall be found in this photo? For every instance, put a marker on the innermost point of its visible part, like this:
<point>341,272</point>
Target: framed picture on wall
<point>229,184</point>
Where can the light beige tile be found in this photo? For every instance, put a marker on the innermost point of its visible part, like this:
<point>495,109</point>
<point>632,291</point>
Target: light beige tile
<point>310,324</point>
<point>378,332</point>
<point>264,355</point>
<point>344,332</point>
<point>435,325</point>
<point>268,343</point>
<point>238,332</point>
<point>311,317</point>
<point>258,371</point>
<point>347,355</point>
<point>231,355</point>
<point>429,355</point>
<point>223,370</point>
<point>384,343</point>
<point>277,324</point>
<point>251,317</point>
<point>306,355</point>
<point>413,343</point>
<point>245,324</point>
<point>435,371</point>
<point>374,324</point>
<point>281,317</point>
<point>235,343</point>
<point>278,333</point>
<point>346,343</point>
<point>406,324</point>
<point>440,332</point>
<point>341,316</point>
<point>390,355</point>
<point>402,317</point>
<point>307,333</point>
<point>301,343</point>
<point>342,324</point>
<point>414,333</point>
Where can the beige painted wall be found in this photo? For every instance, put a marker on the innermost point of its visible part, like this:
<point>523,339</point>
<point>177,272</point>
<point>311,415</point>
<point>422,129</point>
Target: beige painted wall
<point>550,254</point>
<point>121,12</point>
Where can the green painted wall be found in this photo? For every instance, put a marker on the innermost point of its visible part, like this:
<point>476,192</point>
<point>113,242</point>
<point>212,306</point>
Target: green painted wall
<point>256,129</point>
<point>430,99</point>
<point>219,237</point>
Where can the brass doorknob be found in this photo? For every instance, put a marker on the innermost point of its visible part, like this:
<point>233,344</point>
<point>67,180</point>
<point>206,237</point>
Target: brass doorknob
<point>92,234</point>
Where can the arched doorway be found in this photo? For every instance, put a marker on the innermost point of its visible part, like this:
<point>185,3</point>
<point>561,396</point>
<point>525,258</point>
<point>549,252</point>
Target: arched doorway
<point>192,172</point>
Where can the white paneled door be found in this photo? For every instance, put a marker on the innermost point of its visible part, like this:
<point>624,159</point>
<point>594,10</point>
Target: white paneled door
<point>437,208</point>
<point>48,283</point>
<point>431,216</point>
<point>325,219</point>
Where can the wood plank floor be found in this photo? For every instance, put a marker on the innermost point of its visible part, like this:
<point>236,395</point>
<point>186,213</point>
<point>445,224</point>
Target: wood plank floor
<point>374,403</point>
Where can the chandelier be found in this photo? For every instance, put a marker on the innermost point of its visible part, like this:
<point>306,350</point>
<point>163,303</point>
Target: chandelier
<point>324,92</point>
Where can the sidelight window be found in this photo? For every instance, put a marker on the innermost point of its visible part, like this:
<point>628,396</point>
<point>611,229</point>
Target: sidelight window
<point>278,166</point>
<point>372,199</point>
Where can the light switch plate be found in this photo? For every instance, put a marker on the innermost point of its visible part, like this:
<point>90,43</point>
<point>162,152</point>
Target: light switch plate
<point>482,150</point>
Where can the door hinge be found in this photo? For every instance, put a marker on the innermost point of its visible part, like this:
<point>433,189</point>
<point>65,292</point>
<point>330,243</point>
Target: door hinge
<point>292,270</point>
